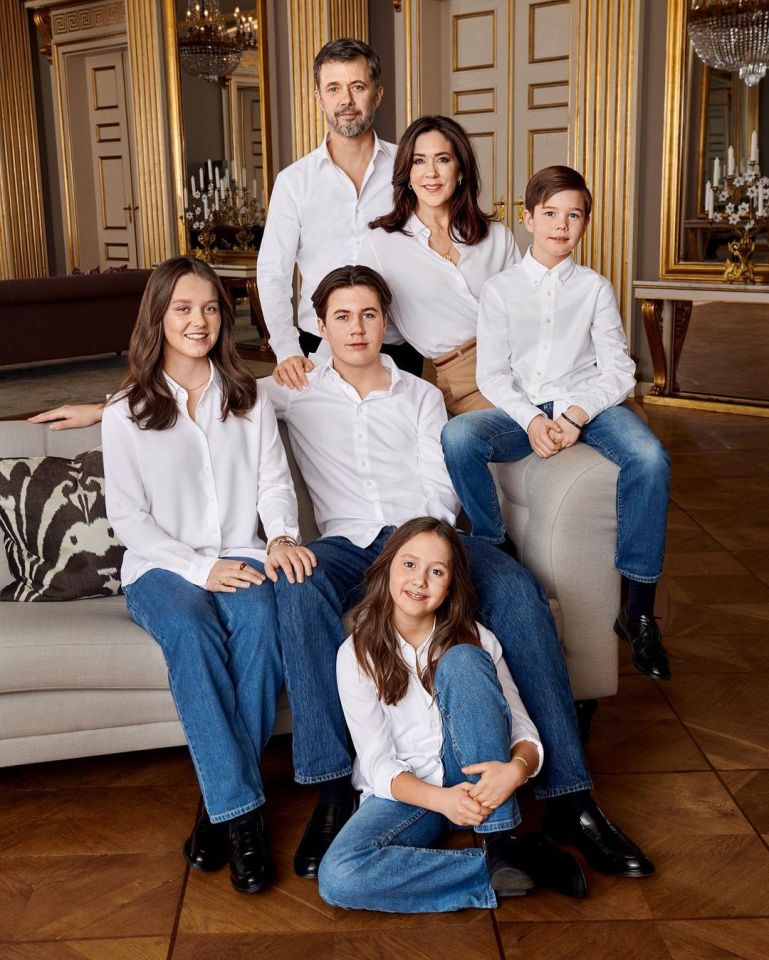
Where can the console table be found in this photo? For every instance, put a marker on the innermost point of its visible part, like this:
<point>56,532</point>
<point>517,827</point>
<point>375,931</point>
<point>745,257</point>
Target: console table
<point>666,308</point>
<point>242,276</point>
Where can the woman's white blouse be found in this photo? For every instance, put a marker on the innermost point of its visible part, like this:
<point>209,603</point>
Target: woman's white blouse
<point>435,304</point>
<point>408,736</point>
<point>179,499</point>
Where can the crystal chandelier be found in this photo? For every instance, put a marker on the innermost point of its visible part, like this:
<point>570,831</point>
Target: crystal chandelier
<point>732,35</point>
<point>209,47</point>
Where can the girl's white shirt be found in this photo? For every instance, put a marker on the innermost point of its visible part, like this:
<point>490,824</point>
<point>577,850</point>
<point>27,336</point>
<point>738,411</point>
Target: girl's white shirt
<point>408,736</point>
<point>179,499</point>
<point>435,303</point>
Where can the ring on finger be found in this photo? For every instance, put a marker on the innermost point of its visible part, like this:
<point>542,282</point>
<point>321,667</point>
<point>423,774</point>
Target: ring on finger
<point>223,582</point>
<point>243,565</point>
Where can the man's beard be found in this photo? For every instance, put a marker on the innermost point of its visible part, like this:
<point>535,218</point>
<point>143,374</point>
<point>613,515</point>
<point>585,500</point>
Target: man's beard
<point>354,127</point>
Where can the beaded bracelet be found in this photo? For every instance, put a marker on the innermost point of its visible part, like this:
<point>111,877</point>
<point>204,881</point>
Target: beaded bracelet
<point>569,420</point>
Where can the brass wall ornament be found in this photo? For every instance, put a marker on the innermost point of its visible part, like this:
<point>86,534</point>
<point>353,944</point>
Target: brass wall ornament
<point>732,35</point>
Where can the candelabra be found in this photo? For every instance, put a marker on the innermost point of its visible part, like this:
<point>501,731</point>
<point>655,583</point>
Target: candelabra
<point>222,205</point>
<point>739,200</point>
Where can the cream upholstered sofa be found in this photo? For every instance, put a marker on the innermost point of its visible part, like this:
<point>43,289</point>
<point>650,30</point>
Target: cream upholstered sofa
<point>80,678</point>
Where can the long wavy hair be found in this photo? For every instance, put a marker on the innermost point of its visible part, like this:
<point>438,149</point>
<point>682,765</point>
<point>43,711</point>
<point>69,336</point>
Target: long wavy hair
<point>467,222</point>
<point>374,639</point>
<point>149,396</point>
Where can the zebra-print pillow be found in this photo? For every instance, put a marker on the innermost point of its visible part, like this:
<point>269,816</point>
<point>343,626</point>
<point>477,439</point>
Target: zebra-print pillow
<point>54,524</point>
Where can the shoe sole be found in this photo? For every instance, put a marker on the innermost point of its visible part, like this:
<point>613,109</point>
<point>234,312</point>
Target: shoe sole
<point>623,635</point>
<point>257,887</point>
<point>509,882</point>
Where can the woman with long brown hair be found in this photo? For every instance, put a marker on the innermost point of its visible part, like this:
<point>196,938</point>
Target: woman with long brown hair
<point>441,737</point>
<point>193,462</point>
<point>436,249</point>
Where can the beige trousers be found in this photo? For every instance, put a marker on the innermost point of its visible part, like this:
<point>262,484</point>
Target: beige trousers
<point>456,381</point>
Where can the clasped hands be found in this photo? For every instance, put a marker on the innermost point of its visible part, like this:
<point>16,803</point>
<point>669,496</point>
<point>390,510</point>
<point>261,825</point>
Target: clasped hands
<point>469,804</point>
<point>548,437</point>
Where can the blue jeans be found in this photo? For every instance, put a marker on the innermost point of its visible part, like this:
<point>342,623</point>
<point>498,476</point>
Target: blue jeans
<point>473,440</point>
<point>383,858</point>
<point>225,672</point>
<point>510,603</point>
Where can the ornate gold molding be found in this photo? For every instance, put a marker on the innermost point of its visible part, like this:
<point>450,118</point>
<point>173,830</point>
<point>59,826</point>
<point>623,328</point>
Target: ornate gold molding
<point>22,226</point>
<point>95,16</point>
<point>155,194</point>
<point>604,85</point>
<point>313,23</point>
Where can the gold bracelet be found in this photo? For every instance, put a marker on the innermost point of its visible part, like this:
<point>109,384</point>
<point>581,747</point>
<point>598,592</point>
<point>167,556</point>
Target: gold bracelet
<point>282,538</point>
<point>523,761</point>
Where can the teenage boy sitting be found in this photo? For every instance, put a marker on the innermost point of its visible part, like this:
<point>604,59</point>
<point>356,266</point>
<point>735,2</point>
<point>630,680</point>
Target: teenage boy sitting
<point>552,357</point>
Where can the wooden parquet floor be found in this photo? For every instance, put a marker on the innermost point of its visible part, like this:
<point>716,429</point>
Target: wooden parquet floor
<point>90,861</point>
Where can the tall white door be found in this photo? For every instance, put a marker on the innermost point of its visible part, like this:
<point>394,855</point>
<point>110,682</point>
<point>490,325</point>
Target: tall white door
<point>116,203</point>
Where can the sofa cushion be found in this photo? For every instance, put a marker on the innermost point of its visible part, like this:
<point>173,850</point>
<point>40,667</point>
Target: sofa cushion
<point>88,645</point>
<point>54,523</point>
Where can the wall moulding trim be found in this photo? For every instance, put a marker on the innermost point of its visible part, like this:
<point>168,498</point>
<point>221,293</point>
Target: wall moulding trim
<point>22,225</point>
<point>89,19</point>
<point>533,31</point>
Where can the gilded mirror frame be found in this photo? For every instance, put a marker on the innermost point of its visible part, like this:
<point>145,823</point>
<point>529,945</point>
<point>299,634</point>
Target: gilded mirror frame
<point>175,119</point>
<point>672,267</point>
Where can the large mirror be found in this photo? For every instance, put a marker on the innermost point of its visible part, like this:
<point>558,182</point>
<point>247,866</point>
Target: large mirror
<point>219,127</point>
<point>706,112</point>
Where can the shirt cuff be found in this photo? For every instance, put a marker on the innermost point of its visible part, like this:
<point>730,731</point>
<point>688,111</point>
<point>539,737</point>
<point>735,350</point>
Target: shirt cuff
<point>286,346</point>
<point>200,569</point>
<point>387,772</point>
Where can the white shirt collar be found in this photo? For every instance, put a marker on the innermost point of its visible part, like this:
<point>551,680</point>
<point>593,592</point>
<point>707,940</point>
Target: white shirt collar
<point>415,653</point>
<point>537,271</point>
<point>178,390</point>
<point>325,154</point>
<point>326,369</point>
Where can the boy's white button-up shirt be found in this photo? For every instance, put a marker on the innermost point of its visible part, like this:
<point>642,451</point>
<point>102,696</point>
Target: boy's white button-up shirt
<point>316,221</point>
<point>551,335</point>
<point>179,499</point>
<point>408,735</point>
<point>435,303</point>
<point>386,464</point>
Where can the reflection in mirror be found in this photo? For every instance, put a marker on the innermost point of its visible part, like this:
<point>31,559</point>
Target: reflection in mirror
<point>720,111</point>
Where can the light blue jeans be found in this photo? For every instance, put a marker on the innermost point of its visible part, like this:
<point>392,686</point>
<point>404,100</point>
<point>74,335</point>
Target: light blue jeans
<point>472,441</point>
<point>384,856</point>
<point>510,603</point>
<point>225,672</point>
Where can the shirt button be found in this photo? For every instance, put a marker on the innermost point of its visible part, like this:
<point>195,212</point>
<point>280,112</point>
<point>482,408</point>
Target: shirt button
<point>539,373</point>
<point>369,483</point>
<point>364,463</point>
<point>548,320</point>
<point>360,436</point>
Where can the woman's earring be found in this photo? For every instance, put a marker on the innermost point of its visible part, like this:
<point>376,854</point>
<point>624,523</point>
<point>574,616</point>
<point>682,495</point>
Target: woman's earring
<point>459,182</point>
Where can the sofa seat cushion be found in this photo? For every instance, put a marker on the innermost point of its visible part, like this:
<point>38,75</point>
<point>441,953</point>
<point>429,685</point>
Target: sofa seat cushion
<point>83,645</point>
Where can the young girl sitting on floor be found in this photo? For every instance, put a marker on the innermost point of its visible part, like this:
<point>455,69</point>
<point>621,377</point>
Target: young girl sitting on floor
<point>441,737</point>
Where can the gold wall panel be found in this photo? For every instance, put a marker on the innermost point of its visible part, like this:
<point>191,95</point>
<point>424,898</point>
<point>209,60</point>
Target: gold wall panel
<point>547,146</point>
<point>22,226</point>
<point>313,23</point>
<point>469,30</point>
<point>157,231</point>
<point>606,42</point>
<point>474,101</point>
<point>545,96</point>
<point>544,21</point>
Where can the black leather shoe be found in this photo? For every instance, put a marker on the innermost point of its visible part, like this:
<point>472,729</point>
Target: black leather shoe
<point>549,867</point>
<point>604,845</point>
<point>251,866</point>
<point>506,876</point>
<point>208,846</point>
<point>645,639</point>
<point>325,823</point>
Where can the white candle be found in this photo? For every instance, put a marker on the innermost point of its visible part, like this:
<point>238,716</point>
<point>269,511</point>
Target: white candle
<point>210,171</point>
<point>216,201</point>
<point>192,184</point>
<point>186,199</point>
<point>730,162</point>
<point>716,171</point>
<point>205,208</point>
<point>760,209</point>
<point>201,178</point>
<point>754,147</point>
<point>253,189</point>
<point>216,174</point>
<point>709,200</point>
<point>243,178</point>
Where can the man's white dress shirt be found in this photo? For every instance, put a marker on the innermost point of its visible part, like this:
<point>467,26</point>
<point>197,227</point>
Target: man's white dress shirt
<point>408,736</point>
<point>435,303</point>
<point>179,499</point>
<point>317,221</point>
<point>551,335</point>
<point>367,463</point>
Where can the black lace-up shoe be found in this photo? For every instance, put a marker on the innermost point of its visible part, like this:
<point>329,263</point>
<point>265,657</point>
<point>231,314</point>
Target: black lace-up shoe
<point>208,846</point>
<point>645,639</point>
<point>251,866</point>
<point>324,824</point>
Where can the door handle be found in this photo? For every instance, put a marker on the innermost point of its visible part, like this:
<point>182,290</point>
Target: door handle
<point>130,211</point>
<point>500,207</point>
<point>519,203</point>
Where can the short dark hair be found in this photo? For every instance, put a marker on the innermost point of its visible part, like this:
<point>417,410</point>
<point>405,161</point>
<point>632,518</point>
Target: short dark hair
<point>551,180</point>
<point>351,276</point>
<point>346,49</point>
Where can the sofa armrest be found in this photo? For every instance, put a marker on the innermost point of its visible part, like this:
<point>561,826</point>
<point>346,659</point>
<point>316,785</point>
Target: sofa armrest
<point>561,514</point>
